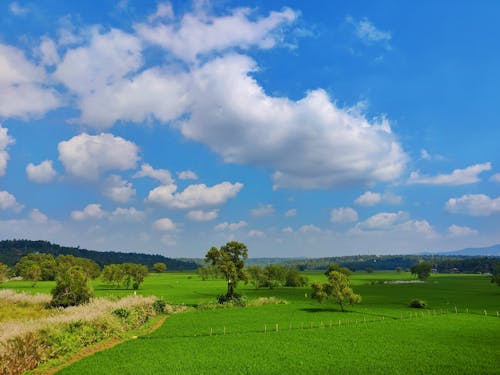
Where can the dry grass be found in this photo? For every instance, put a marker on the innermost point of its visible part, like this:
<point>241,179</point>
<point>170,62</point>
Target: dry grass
<point>10,296</point>
<point>261,301</point>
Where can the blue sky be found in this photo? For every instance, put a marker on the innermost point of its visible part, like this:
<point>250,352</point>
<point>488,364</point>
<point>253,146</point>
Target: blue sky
<point>300,129</point>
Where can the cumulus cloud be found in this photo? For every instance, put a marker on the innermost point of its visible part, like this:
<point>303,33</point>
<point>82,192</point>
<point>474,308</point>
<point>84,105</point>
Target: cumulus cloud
<point>38,217</point>
<point>464,176</point>
<point>233,115</point>
<point>367,32</point>
<point>87,156</point>
<point>287,230</point>
<point>23,90</point>
<point>5,141</point>
<point>495,177</point>
<point>368,199</point>
<point>461,231</point>
<point>161,175</point>
<point>163,10</point>
<point>256,233</point>
<point>262,210</point>
<point>199,34</point>
<point>194,195</point>
<point>343,215</point>
<point>291,212</point>
<point>127,214</point>
<point>47,52</point>
<point>91,211</point>
<point>118,189</point>
<point>230,226</point>
<point>164,224</point>
<point>187,175</point>
<point>42,173</point>
<point>394,221</point>
<point>474,205</point>
<point>17,9</point>
<point>309,228</point>
<point>9,202</point>
<point>200,215</point>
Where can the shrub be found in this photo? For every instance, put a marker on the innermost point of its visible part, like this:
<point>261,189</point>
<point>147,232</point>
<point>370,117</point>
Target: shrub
<point>72,288</point>
<point>121,313</point>
<point>234,300</point>
<point>159,306</point>
<point>417,303</point>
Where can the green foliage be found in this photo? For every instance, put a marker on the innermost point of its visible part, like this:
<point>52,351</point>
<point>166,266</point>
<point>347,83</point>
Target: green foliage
<point>126,274</point>
<point>121,313</point>
<point>230,261</point>
<point>399,269</point>
<point>159,306</point>
<point>159,267</point>
<point>369,269</point>
<point>88,266</point>
<point>275,275</point>
<point>4,272</point>
<point>37,266</point>
<point>209,272</point>
<point>72,288</point>
<point>495,275</point>
<point>417,303</point>
<point>422,270</point>
<point>335,267</point>
<point>337,288</point>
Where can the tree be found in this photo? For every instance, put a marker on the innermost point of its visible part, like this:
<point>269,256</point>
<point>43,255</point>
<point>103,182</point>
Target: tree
<point>90,267</point>
<point>72,288</point>
<point>127,274</point>
<point>112,274</point>
<point>495,275</point>
<point>46,264</point>
<point>335,267</point>
<point>337,288</point>
<point>294,278</point>
<point>4,272</point>
<point>230,261</point>
<point>159,267</point>
<point>256,274</point>
<point>422,270</point>
<point>399,269</point>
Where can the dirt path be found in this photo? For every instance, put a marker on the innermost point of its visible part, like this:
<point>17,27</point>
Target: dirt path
<point>88,351</point>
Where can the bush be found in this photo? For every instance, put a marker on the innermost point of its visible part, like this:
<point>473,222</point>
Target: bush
<point>418,304</point>
<point>159,306</point>
<point>72,288</point>
<point>234,300</point>
<point>121,313</point>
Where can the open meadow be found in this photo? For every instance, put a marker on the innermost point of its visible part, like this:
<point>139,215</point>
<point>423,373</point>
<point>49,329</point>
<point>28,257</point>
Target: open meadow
<point>457,334</point>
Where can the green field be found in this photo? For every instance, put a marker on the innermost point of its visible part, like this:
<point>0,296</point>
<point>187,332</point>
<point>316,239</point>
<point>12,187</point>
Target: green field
<point>380,335</point>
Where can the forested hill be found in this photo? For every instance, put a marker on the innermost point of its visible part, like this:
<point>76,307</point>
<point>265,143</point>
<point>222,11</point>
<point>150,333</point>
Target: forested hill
<point>13,250</point>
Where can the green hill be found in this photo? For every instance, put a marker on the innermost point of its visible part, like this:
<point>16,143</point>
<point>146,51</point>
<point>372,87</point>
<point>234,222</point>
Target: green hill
<point>13,250</point>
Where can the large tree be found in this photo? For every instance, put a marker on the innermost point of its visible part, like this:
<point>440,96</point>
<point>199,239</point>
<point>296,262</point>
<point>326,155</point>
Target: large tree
<point>422,270</point>
<point>72,288</point>
<point>337,288</point>
<point>230,261</point>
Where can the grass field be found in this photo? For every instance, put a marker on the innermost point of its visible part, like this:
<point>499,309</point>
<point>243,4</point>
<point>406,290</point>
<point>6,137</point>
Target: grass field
<point>372,338</point>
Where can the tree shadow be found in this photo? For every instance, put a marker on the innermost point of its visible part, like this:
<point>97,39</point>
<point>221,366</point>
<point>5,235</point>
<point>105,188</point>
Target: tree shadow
<point>323,310</point>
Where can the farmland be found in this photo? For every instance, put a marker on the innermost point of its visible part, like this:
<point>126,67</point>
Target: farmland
<point>380,335</point>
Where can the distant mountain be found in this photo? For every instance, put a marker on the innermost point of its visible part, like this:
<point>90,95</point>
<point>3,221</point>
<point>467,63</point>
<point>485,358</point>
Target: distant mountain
<point>475,251</point>
<point>13,250</point>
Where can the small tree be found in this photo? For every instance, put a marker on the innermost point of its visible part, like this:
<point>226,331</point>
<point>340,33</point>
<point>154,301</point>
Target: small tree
<point>422,270</point>
<point>256,275</point>
<point>399,269</point>
<point>230,261</point>
<point>335,267</point>
<point>337,288</point>
<point>72,288</point>
<point>46,265</point>
<point>495,275</point>
<point>4,272</point>
<point>90,267</point>
<point>159,267</point>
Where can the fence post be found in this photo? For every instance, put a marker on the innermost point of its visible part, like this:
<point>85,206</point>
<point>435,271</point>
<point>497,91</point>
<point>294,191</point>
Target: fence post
<point>277,327</point>
<point>265,328</point>
<point>211,331</point>
<point>224,330</point>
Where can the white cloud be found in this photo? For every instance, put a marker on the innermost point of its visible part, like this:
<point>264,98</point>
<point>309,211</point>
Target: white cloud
<point>464,176</point>
<point>164,224</point>
<point>368,199</point>
<point>461,231</point>
<point>168,240</point>
<point>194,195</point>
<point>256,233</point>
<point>262,210</point>
<point>38,217</point>
<point>187,175</point>
<point>200,215</point>
<point>200,34</point>
<point>47,51</point>
<point>495,177</point>
<point>17,9</point>
<point>127,214</point>
<point>23,90</point>
<point>161,175</point>
<point>394,222</point>
<point>42,173</point>
<point>291,212</point>
<point>91,211</point>
<point>424,154</point>
<point>367,32</point>
<point>233,115</point>
<point>118,189</point>
<point>474,205</point>
<point>391,198</point>
<point>87,156</point>
<point>230,226</point>
<point>163,10</point>
<point>9,202</point>
<point>343,215</point>
<point>309,228</point>
<point>5,141</point>
<point>287,230</point>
